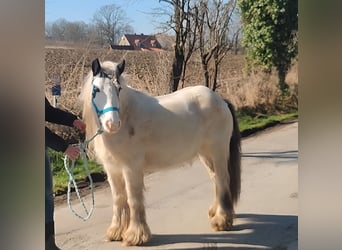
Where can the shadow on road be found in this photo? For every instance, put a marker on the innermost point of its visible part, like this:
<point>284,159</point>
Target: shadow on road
<point>252,231</point>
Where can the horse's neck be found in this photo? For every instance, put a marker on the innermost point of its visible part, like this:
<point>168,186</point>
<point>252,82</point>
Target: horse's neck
<point>132,102</point>
<point>128,99</point>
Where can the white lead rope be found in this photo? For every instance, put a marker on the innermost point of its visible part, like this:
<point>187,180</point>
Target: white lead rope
<point>70,171</point>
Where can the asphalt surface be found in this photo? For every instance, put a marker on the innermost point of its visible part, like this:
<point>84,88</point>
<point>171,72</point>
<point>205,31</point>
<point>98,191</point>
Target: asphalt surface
<point>177,203</point>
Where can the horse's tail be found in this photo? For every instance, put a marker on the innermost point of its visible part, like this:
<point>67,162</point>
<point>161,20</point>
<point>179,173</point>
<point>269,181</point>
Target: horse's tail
<point>234,161</point>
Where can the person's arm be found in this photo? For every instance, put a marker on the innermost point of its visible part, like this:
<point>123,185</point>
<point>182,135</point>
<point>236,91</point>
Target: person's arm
<point>58,116</point>
<point>59,144</point>
<point>54,141</point>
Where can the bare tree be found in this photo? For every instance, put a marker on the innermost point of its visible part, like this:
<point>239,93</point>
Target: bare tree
<point>182,22</point>
<point>63,30</point>
<point>216,36</point>
<point>56,30</point>
<point>111,23</point>
<point>206,25</point>
<point>75,31</point>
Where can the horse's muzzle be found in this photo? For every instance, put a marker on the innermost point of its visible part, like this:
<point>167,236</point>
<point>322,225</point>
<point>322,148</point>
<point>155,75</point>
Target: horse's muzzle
<point>111,126</point>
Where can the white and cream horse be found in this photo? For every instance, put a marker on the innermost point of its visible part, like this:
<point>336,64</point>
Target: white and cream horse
<point>142,132</point>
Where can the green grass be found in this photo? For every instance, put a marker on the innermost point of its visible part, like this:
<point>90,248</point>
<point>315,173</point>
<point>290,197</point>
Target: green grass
<point>248,121</point>
<point>60,175</point>
<point>259,121</point>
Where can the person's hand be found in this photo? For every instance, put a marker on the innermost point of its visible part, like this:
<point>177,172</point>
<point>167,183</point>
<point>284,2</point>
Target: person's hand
<point>72,152</point>
<point>79,124</point>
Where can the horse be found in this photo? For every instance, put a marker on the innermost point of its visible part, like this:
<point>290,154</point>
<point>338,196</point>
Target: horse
<point>138,132</point>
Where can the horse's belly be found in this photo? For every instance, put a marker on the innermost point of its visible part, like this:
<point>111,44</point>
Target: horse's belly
<point>167,159</point>
<point>170,153</point>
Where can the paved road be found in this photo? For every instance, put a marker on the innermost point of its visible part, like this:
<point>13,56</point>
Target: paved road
<point>177,203</point>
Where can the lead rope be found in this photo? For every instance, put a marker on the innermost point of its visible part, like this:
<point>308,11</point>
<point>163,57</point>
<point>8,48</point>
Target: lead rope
<point>70,171</point>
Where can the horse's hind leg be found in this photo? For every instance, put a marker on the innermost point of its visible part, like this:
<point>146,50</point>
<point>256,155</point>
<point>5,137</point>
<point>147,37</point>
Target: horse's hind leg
<point>120,218</point>
<point>208,164</point>
<point>222,212</point>
<point>138,231</point>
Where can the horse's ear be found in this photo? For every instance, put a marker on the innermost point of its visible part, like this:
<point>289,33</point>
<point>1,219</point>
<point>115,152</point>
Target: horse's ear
<point>121,67</point>
<point>96,67</point>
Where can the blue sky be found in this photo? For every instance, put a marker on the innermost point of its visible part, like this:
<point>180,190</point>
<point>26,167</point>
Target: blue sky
<point>83,10</point>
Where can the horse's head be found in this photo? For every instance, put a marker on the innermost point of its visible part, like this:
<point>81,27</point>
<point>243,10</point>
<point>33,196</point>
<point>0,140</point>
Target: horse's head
<point>105,94</point>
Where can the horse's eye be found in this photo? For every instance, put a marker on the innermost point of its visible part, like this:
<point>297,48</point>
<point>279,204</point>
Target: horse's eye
<point>119,89</point>
<point>95,90</point>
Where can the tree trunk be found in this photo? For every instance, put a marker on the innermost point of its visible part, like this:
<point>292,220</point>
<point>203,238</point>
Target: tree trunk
<point>178,59</point>
<point>176,73</point>
<point>212,73</point>
<point>282,84</point>
<point>214,77</point>
<point>206,73</point>
<point>183,73</point>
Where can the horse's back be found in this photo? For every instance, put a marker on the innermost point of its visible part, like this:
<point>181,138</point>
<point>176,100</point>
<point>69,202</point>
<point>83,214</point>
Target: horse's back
<point>187,119</point>
<point>190,98</point>
<point>209,104</point>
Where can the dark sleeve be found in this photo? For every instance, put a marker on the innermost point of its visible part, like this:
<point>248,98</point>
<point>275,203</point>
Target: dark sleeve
<point>54,141</point>
<point>58,116</point>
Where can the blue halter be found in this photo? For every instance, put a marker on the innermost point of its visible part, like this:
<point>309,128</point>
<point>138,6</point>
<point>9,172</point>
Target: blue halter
<point>102,111</point>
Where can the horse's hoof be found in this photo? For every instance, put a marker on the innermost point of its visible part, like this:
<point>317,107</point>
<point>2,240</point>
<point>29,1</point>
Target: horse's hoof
<point>212,212</point>
<point>221,222</point>
<point>136,235</point>
<point>114,233</point>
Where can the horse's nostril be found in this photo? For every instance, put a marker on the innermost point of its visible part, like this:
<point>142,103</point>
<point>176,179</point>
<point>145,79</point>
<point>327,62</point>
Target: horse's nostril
<point>109,124</point>
<point>112,126</point>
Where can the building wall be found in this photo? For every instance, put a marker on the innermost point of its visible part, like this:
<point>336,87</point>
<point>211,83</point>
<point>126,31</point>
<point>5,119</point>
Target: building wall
<point>123,41</point>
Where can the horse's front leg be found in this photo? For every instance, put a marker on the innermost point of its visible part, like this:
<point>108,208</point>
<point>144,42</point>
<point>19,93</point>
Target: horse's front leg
<point>120,220</point>
<point>138,231</point>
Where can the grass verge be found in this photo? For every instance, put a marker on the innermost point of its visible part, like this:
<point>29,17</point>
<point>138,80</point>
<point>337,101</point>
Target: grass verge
<point>60,175</point>
<point>251,123</point>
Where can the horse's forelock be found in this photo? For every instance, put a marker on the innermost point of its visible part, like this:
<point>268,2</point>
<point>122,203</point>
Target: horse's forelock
<point>109,67</point>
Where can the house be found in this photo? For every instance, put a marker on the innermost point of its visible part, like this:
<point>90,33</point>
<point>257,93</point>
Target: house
<point>138,42</point>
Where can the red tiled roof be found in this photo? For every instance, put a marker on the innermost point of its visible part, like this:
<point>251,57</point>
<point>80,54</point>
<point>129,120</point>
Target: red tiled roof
<point>146,41</point>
